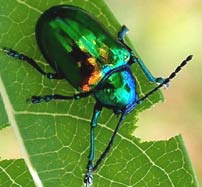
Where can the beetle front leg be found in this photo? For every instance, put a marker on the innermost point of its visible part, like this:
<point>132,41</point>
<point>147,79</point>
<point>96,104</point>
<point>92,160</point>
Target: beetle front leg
<point>146,71</point>
<point>134,59</point>
<point>20,56</point>
<point>122,33</point>
<point>88,179</point>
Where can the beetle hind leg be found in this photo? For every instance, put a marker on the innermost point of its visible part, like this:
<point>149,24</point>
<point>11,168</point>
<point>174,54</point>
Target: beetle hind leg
<point>88,179</point>
<point>20,56</point>
<point>47,98</point>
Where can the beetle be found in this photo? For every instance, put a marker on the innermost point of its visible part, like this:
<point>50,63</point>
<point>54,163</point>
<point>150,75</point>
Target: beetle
<point>82,51</point>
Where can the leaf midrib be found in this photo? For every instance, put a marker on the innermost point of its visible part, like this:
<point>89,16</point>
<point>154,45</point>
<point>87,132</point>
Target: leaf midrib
<point>11,118</point>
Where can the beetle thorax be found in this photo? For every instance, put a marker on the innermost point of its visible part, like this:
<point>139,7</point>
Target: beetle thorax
<point>118,91</point>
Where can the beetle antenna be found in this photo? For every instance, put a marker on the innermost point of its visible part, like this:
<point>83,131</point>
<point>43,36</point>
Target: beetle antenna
<point>167,80</point>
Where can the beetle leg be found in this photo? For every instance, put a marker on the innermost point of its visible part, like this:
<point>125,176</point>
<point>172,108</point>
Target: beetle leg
<point>121,36</point>
<point>19,56</point>
<point>146,70</point>
<point>167,80</point>
<point>122,33</point>
<point>88,179</point>
<point>47,98</point>
<point>107,149</point>
<point>134,59</point>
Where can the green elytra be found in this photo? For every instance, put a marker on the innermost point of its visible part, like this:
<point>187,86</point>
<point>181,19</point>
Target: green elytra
<point>81,51</point>
<point>90,53</point>
<point>85,46</point>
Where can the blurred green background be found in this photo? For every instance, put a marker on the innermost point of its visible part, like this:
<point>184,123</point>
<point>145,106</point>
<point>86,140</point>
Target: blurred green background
<point>163,33</point>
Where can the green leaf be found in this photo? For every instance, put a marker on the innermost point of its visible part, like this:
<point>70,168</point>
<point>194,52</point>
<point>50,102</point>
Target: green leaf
<point>3,115</point>
<point>54,136</point>
<point>15,173</point>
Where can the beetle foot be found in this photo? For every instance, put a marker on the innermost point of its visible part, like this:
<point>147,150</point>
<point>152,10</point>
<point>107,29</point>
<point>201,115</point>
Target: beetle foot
<point>39,99</point>
<point>12,53</point>
<point>88,179</point>
<point>122,33</point>
<point>9,51</point>
<point>161,80</point>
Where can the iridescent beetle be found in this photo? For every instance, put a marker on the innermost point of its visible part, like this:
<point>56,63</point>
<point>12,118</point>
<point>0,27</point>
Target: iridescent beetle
<point>81,51</point>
